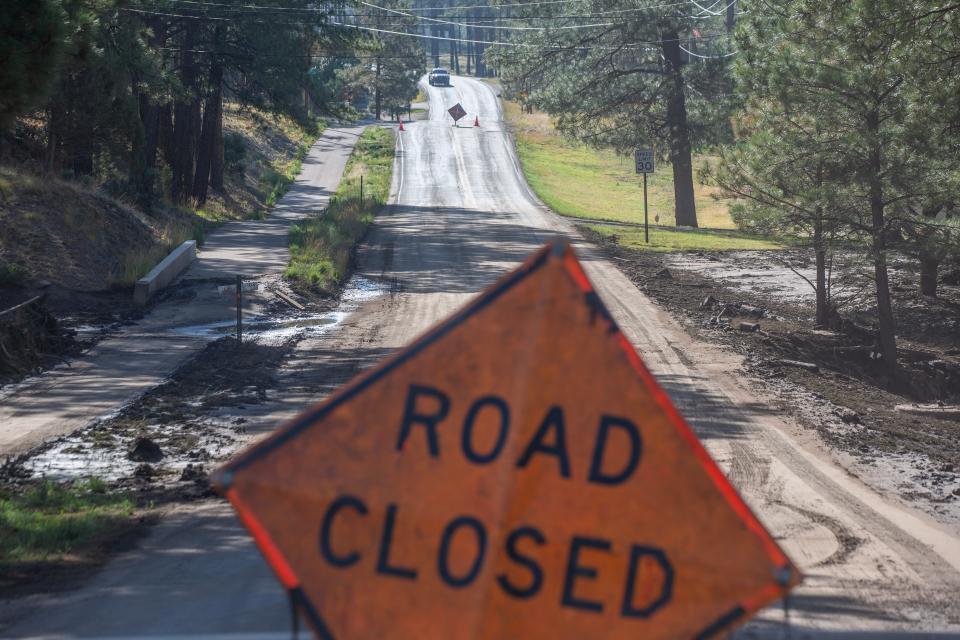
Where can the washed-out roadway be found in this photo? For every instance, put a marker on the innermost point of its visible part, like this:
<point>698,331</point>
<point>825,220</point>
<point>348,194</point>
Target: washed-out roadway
<point>462,215</point>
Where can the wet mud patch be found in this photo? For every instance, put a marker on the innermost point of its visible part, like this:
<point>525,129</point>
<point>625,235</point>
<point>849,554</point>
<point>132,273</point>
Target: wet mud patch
<point>164,442</point>
<point>59,325</point>
<point>826,378</point>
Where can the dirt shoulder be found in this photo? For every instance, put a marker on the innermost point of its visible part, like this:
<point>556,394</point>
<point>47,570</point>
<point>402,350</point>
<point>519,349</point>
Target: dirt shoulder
<point>827,379</point>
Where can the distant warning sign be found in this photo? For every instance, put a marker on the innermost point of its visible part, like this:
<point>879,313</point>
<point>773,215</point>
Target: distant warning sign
<point>514,473</point>
<point>457,111</point>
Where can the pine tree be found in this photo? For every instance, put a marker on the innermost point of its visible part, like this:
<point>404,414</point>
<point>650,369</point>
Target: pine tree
<point>851,69</point>
<point>618,74</point>
<point>31,44</point>
<point>387,66</point>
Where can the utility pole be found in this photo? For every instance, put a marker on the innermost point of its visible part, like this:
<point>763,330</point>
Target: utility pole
<point>731,15</point>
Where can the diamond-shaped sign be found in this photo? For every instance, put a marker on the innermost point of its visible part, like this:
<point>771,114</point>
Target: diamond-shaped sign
<point>457,112</point>
<point>514,473</point>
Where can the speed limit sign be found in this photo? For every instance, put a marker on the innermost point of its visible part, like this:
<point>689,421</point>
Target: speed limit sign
<point>644,160</point>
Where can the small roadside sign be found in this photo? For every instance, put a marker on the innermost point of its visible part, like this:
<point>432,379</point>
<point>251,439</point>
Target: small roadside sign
<point>516,472</point>
<point>457,111</point>
<point>644,160</point>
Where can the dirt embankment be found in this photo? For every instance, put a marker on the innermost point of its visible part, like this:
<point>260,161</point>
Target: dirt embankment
<point>827,378</point>
<point>72,237</point>
<point>82,250</point>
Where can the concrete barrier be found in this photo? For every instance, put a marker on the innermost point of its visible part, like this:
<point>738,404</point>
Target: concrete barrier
<point>165,272</point>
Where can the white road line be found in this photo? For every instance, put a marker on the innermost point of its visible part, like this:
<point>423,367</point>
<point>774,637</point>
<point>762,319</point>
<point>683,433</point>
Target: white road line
<point>401,159</point>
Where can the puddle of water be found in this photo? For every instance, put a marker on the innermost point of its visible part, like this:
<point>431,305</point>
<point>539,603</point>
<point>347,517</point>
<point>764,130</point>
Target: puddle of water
<point>78,455</point>
<point>357,291</point>
<point>73,458</point>
<point>271,326</point>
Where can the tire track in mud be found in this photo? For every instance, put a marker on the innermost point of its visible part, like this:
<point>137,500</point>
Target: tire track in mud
<point>847,541</point>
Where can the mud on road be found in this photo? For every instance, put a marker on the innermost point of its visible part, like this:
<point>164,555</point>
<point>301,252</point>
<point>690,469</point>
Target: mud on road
<point>845,396</point>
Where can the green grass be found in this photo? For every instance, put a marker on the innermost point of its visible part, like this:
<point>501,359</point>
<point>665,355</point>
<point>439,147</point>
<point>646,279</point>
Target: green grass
<point>322,247</point>
<point>275,181</point>
<point>138,262</point>
<point>578,181</point>
<point>49,520</point>
<point>664,240</point>
<point>13,275</point>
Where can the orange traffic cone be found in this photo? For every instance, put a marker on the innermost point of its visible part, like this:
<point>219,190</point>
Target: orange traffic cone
<point>401,124</point>
<point>476,121</point>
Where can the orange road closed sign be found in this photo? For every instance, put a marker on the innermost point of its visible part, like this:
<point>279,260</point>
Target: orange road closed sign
<point>514,473</point>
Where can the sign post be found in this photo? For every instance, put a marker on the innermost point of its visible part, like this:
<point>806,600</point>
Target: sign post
<point>239,310</point>
<point>515,472</point>
<point>644,161</point>
<point>456,112</point>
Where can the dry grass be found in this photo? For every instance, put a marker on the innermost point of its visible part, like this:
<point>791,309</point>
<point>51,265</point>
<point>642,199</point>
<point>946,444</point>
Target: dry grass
<point>77,237</point>
<point>272,148</point>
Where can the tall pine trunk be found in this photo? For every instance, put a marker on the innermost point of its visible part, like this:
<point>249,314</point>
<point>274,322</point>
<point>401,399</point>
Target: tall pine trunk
<point>216,161</point>
<point>165,133</point>
<point>376,90</point>
<point>469,31</point>
<point>144,164</point>
<point>820,253</point>
<point>887,330</point>
<point>680,153</point>
<point>450,48</point>
<point>211,120</point>
<point>929,266</point>
<point>184,119</point>
<point>457,46</point>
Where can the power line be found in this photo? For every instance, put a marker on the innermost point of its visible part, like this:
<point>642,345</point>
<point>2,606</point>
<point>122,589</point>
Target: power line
<point>536,3</point>
<point>634,46</point>
<point>464,24</point>
<point>344,55</point>
<point>639,45</point>
<point>266,8</point>
<point>173,15</point>
<point>474,20</point>
<point>697,55</point>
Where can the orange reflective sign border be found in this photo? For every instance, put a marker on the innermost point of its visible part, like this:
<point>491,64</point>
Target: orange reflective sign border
<point>514,473</point>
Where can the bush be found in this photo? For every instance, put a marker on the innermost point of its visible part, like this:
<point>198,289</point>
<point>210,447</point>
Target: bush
<point>234,152</point>
<point>757,219</point>
<point>12,275</point>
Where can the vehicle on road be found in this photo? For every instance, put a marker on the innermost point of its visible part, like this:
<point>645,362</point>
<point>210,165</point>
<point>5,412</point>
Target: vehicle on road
<point>439,77</point>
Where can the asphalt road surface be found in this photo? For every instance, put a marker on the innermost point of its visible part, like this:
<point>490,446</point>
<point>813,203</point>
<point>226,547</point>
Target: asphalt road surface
<point>462,216</point>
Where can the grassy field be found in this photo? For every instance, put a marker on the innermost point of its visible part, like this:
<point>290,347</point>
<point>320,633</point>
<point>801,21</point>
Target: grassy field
<point>575,180</point>
<point>49,521</point>
<point>681,239</point>
<point>322,248</point>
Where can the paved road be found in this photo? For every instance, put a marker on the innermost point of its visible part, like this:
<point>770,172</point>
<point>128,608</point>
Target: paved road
<point>138,357</point>
<point>462,216</point>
